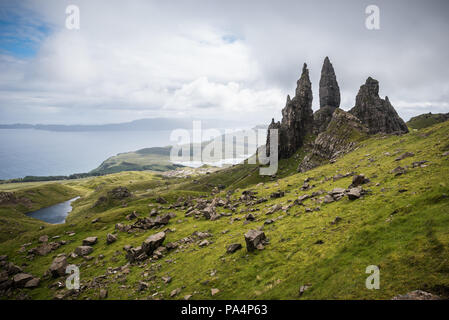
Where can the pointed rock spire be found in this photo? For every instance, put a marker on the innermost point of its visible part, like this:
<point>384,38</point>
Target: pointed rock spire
<point>376,113</point>
<point>329,90</point>
<point>297,117</point>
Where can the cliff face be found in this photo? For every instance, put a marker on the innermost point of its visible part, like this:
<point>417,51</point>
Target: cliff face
<point>340,137</point>
<point>297,118</point>
<point>376,113</point>
<point>336,129</point>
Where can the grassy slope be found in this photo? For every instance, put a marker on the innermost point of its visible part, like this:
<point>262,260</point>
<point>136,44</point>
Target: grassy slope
<point>405,234</point>
<point>427,120</point>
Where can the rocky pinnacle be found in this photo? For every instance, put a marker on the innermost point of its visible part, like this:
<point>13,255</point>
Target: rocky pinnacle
<point>329,90</point>
<point>376,113</point>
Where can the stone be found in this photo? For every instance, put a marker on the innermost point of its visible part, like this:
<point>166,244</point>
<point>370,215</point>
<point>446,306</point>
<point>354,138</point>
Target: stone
<point>354,193</point>
<point>119,193</point>
<point>328,199</point>
<point>43,239</point>
<point>303,289</point>
<point>376,113</point>
<point>161,200</point>
<point>398,171</point>
<point>214,291</point>
<point>254,238</point>
<point>358,180</point>
<point>90,241</point>
<point>175,292</point>
<point>166,279</point>
<point>417,295</point>
<point>153,242</point>
<point>329,91</point>
<point>233,247</point>
<point>204,243</point>
<point>84,250</point>
<point>133,215</point>
<point>404,155</point>
<point>250,217</point>
<point>336,220</point>
<point>58,266</point>
<point>20,279</point>
<point>110,238</point>
<point>33,283</point>
<point>103,294</point>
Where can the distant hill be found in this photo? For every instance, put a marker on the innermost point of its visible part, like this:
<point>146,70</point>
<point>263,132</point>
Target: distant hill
<point>427,119</point>
<point>153,124</point>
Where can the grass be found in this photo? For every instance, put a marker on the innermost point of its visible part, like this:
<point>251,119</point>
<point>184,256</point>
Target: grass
<point>404,233</point>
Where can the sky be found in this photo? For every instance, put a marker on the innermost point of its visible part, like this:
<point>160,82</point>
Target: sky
<point>233,60</point>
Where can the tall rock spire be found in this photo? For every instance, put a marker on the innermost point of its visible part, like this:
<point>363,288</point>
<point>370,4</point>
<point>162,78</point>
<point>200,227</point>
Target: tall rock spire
<point>329,90</point>
<point>297,118</point>
<point>376,113</point>
<point>329,97</point>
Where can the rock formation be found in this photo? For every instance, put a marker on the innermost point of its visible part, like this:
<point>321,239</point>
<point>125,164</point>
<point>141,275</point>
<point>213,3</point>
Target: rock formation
<point>329,97</point>
<point>376,113</point>
<point>339,138</point>
<point>297,118</point>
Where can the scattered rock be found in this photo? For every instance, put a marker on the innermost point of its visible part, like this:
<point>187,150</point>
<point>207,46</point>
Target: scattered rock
<point>90,241</point>
<point>358,180</point>
<point>255,239</point>
<point>175,292</point>
<point>84,250</point>
<point>110,238</point>
<point>153,242</point>
<point>103,294</point>
<point>20,279</point>
<point>58,266</point>
<point>417,295</point>
<point>43,239</point>
<point>214,291</point>
<point>404,155</point>
<point>233,247</point>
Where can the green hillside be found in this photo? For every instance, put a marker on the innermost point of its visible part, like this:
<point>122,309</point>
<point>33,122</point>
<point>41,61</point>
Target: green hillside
<point>427,119</point>
<point>399,224</point>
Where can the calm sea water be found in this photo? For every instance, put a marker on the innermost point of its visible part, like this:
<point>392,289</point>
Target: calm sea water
<point>43,153</point>
<point>55,214</point>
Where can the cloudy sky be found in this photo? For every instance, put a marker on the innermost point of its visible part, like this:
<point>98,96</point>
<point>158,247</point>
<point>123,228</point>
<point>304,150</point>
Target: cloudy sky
<point>212,59</point>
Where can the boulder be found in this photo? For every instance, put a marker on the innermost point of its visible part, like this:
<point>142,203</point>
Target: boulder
<point>84,250</point>
<point>233,247</point>
<point>33,283</point>
<point>90,241</point>
<point>110,238</point>
<point>43,239</point>
<point>58,266</point>
<point>358,180</point>
<point>254,239</point>
<point>21,279</point>
<point>354,193</point>
<point>153,242</point>
<point>404,155</point>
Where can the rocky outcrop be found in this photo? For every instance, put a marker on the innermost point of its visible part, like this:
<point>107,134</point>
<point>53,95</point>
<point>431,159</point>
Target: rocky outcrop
<point>339,138</point>
<point>297,118</point>
<point>376,113</point>
<point>329,97</point>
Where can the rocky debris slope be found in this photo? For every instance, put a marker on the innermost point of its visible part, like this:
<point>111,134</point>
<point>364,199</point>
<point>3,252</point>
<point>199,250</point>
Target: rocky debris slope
<point>339,138</point>
<point>376,113</point>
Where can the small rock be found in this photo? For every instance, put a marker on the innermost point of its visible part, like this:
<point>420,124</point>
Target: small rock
<point>83,250</point>
<point>233,247</point>
<point>90,241</point>
<point>103,293</point>
<point>417,295</point>
<point>214,291</point>
<point>43,239</point>
<point>254,239</point>
<point>110,238</point>
<point>175,292</point>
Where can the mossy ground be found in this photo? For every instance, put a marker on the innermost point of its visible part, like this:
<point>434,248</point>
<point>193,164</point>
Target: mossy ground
<point>401,226</point>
